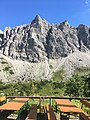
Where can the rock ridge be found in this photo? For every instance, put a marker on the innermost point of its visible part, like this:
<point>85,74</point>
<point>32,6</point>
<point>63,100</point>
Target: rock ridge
<point>41,40</point>
<point>36,50</point>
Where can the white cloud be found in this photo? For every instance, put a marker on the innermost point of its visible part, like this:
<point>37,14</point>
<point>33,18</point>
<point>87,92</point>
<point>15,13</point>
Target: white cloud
<point>88,9</point>
<point>87,3</point>
<point>87,6</point>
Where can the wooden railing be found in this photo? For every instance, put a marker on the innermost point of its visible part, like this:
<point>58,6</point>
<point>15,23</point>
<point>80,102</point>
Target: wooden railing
<point>49,97</point>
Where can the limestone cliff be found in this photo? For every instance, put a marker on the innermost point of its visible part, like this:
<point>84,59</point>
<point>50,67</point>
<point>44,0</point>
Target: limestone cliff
<point>30,49</point>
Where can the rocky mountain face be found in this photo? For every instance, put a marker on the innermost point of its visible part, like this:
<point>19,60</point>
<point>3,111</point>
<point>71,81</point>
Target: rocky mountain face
<point>39,43</point>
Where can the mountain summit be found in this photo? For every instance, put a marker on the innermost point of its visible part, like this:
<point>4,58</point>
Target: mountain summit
<point>40,42</point>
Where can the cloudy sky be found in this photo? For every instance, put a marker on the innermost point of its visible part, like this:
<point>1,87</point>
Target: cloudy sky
<point>18,12</point>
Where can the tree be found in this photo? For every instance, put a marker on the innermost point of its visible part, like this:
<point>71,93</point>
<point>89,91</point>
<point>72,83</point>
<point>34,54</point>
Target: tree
<point>87,87</point>
<point>75,86</point>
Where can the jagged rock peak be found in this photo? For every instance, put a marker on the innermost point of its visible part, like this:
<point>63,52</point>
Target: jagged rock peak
<point>82,26</point>
<point>39,24</point>
<point>47,44</point>
<point>65,23</point>
<point>38,19</point>
<point>7,29</point>
<point>40,40</point>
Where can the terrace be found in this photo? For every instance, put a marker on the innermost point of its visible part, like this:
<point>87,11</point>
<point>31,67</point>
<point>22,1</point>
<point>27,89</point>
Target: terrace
<point>44,108</point>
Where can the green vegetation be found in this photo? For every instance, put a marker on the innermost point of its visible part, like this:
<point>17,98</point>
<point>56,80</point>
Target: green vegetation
<point>74,87</point>
<point>6,67</point>
<point>4,62</point>
<point>77,86</point>
<point>82,71</point>
<point>51,67</point>
<point>11,72</point>
<point>79,104</point>
<point>59,75</point>
<point>47,88</point>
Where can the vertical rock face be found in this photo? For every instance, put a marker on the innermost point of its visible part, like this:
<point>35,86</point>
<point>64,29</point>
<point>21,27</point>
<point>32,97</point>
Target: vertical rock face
<point>1,36</point>
<point>34,47</point>
<point>84,37</point>
<point>40,40</point>
<point>61,41</point>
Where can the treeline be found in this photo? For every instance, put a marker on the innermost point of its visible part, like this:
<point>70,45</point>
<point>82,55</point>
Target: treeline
<point>77,86</point>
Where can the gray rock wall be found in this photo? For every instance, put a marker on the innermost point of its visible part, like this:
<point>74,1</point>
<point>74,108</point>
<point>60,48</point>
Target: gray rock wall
<point>27,52</point>
<point>41,40</point>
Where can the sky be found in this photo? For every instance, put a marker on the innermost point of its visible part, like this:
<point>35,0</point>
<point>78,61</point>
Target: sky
<point>17,12</point>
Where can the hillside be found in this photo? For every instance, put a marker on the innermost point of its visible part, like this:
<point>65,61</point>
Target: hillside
<point>36,50</point>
